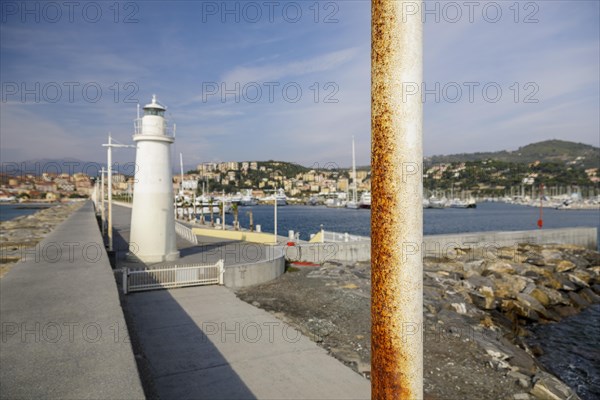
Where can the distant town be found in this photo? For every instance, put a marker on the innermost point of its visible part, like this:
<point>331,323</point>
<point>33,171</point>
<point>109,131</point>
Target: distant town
<point>475,178</point>
<point>553,167</point>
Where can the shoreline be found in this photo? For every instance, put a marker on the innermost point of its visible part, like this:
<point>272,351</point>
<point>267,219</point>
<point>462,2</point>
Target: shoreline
<point>24,232</point>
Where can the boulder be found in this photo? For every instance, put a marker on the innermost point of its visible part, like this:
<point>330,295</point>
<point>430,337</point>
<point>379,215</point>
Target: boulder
<point>510,253</point>
<point>474,267</point>
<point>549,282</point>
<point>484,299</point>
<point>564,266</point>
<point>577,300</point>
<point>565,283</point>
<point>554,296</point>
<point>577,259</point>
<point>498,267</point>
<point>522,379</point>
<point>580,278</point>
<point>508,286</point>
<point>478,281</point>
<point>566,311</point>
<point>517,308</point>
<point>595,271</point>
<point>538,261</point>
<point>529,288</point>
<point>540,296</point>
<point>551,256</point>
<point>460,308</point>
<point>548,387</point>
<point>592,257</point>
<point>589,295</point>
<point>533,305</point>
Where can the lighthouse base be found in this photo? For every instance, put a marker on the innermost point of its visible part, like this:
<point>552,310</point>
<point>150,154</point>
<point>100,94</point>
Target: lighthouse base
<point>152,258</point>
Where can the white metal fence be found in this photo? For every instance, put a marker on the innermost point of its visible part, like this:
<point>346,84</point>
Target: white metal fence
<point>135,280</point>
<point>342,237</point>
<point>186,233</point>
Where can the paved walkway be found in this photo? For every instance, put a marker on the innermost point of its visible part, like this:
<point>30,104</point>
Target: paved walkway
<point>205,343</point>
<point>63,334</point>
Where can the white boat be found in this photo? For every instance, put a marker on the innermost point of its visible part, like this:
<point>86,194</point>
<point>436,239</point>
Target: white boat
<point>203,205</point>
<point>280,197</point>
<point>335,200</point>
<point>223,201</point>
<point>365,200</point>
<point>237,198</point>
<point>248,199</point>
<point>313,201</point>
<point>434,202</point>
<point>335,203</point>
<point>458,203</point>
<point>353,203</point>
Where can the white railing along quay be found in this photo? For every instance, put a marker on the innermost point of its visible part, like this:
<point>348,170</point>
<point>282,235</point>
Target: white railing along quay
<point>186,233</point>
<point>135,280</point>
<point>342,237</point>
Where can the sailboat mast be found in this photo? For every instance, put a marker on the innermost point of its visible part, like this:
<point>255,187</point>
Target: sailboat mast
<point>181,166</point>
<point>353,172</point>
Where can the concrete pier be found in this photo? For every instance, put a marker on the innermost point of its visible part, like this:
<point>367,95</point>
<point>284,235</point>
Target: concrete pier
<point>63,333</point>
<point>205,343</point>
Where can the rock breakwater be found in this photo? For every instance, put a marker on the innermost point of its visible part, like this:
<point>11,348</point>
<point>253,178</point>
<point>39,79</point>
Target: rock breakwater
<point>19,235</point>
<point>478,309</point>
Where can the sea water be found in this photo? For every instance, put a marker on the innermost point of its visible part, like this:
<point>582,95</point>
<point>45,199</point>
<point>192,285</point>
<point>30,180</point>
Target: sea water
<point>486,217</point>
<point>10,211</point>
<point>572,351</point>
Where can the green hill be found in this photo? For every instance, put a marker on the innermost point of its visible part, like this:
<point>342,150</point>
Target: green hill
<point>553,151</point>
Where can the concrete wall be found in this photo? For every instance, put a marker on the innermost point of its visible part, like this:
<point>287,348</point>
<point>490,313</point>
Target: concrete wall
<point>320,252</point>
<point>436,245</point>
<point>253,237</point>
<point>441,245</point>
<point>242,275</point>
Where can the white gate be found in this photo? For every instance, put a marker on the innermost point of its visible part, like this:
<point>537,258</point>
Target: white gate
<point>135,280</point>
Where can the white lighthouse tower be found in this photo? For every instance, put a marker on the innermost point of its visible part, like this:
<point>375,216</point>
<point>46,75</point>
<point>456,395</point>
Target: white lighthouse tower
<point>152,237</point>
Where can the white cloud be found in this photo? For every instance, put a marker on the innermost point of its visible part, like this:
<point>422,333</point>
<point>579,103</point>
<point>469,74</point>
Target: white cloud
<point>293,69</point>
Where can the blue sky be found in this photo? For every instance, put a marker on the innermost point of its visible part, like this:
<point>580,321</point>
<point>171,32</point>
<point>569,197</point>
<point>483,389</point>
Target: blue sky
<point>302,78</point>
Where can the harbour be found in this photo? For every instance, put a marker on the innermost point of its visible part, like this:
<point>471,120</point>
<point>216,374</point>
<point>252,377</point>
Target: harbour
<point>488,216</point>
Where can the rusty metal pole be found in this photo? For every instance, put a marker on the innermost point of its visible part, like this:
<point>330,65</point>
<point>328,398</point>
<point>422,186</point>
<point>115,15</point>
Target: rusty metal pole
<point>397,208</point>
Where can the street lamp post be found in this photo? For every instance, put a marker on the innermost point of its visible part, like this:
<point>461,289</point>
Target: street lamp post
<point>102,216</point>
<point>109,147</point>
<point>275,216</point>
